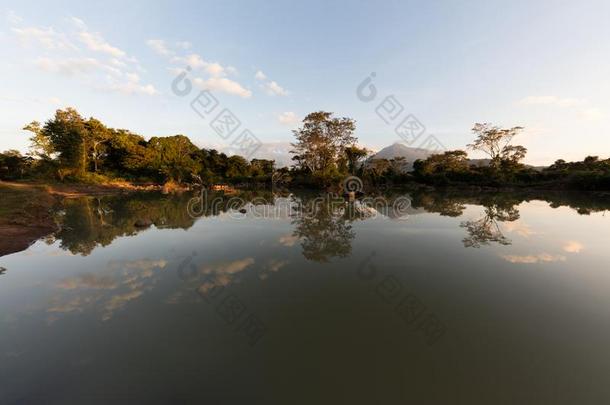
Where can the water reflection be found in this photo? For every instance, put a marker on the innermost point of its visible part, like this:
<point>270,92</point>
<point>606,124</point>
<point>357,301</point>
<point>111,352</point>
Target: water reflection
<point>258,296</point>
<point>322,225</point>
<point>325,230</point>
<point>107,291</point>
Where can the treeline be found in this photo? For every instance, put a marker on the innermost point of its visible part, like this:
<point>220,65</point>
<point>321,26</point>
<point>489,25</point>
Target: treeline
<point>325,152</point>
<point>453,168</point>
<point>70,147</point>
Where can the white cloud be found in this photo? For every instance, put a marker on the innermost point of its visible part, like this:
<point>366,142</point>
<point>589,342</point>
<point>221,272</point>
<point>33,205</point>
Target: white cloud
<point>591,114</point>
<point>573,247</point>
<point>196,62</point>
<point>288,240</point>
<point>531,259</point>
<point>288,118</point>
<point>232,70</point>
<point>193,60</point>
<point>95,42</point>
<point>183,45</point>
<point>160,47</point>
<point>88,281</point>
<point>131,87</point>
<point>260,75</point>
<point>13,18</point>
<point>78,23</point>
<point>69,66</point>
<point>117,63</point>
<point>275,89</point>
<point>233,267</point>
<point>271,87</point>
<point>215,69</point>
<point>47,37</point>
<point>520,228</point>
<point>118,69</point>
<point>272,266</point>
<point>223,84</point>
<point>133,77</point>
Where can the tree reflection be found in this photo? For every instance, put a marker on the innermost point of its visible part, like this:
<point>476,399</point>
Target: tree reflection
<point>450,206</point>
<point>498,207</point>
<point>486,229</point>
<point>87,222</point>
<point>323,225</point>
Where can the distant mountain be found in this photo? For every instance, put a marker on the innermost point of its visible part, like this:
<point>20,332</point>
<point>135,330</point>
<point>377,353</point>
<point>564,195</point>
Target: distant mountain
<point>401,150</point>
<point>280,152</point>
<point>412,154</point>
<point>479,162</point>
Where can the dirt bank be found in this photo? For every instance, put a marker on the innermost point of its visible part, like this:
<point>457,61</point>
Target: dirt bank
<point>25,216</point>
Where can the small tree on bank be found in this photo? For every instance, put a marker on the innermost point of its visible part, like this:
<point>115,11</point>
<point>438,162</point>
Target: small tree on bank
<point>495,142</point>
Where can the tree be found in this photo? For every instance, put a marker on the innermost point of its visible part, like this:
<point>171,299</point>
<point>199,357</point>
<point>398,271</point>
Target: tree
<point>262,167</point>
<point>40,143</point>
<point>495,142</point>
<point>322,141</point>
<point>449,161</point>
<point>378,167</point>
<point>172,157</point>
<point>13,165</point>
<point>126,152</point>
<point>97,136</point>
<point>68,136</point>
<point>237,167</point>
<point>355,155</point>
<point>398,165</point>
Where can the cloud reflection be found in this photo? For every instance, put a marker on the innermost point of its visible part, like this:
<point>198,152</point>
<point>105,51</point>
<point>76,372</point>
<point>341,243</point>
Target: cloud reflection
<point>531,259</point>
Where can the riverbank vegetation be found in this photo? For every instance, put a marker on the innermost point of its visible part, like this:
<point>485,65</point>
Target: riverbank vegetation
<point>71,149</point>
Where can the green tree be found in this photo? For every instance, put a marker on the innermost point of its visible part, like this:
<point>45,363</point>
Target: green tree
<point>68,136</point>
<point>98,136</point>
<point>321,142</point>
<point>126,153</point>
<point>449,161</point>
<point>172,157</point>
<point>237,167</point>
<point>40,143</point>
<point>355,157</point>
<point>13,165</point>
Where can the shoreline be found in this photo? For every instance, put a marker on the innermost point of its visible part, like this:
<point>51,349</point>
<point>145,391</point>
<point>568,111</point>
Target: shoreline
<point>27,208</point>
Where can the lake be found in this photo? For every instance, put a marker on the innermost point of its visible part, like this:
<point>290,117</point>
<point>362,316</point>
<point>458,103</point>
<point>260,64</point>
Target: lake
<point>260,297</point>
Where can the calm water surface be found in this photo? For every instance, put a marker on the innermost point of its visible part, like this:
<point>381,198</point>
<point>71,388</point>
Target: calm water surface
<point>461,299</point>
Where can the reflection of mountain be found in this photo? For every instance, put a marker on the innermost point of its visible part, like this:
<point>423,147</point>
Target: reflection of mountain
<point>322,222</point>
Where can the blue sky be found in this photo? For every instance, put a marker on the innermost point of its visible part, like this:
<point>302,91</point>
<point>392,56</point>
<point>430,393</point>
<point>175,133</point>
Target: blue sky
<point>542,65</point>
